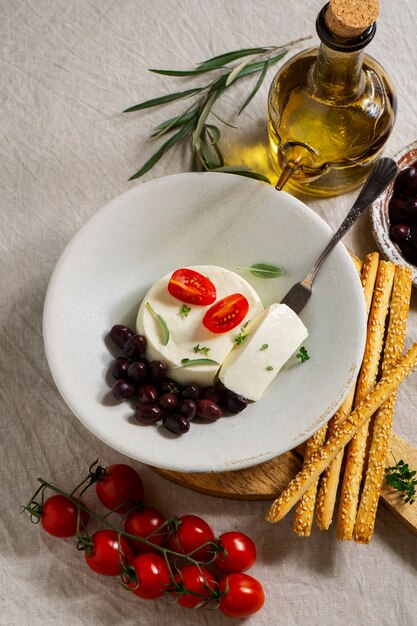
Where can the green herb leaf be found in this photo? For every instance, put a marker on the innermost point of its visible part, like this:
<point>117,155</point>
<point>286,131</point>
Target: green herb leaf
<point>164,148</point>
<point>163,99</point>
<point>263,347</point>
<point>263,270</point>
<point>188,115</point>
<point>256,88</point>
<point>194,362</point>
<point>242,171</point>
<point>221,60</point>
<point>163,325</point>
<point>205,350</point>
<point>184,310</point>
<point>240,338</point>
<point>269,368</point>
<point>303,354</point>
<point>402,478</point>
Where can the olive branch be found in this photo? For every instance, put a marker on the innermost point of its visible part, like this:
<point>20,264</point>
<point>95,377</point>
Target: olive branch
<point>192,124</point>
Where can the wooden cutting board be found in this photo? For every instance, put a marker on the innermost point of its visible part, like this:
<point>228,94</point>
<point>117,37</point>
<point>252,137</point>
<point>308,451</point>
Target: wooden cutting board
<point>267,480</point>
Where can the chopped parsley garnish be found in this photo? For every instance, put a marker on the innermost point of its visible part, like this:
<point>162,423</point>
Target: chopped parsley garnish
<point>184,310</point>
<point>269,368</point>
<point>263,347</point>
<point>240,338</point>
<point>303,354</point>
<point>205,349</point>
<point>401,478</point>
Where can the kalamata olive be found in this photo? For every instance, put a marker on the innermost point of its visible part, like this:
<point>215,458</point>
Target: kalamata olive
<point>168,401</point>
<point>119,368</point>
<point>120,334</point>
<point>414,237</point>
<point>187,408</point>
<point>177,424</point>
<point>405,182</point>
<point>122,390</point>
<point>137,372</point>
<point>147,393</point>
<point>399,232</point>
<point>235,402</point>
<point>192,392</point>
<point>216,393</point>
<point>410,210</point>
<point>208,410</point>
<point>168,386</point>
<point>148,413</point>
<point>157,371</point>
<point>396,210</point>
<point>135,346</point>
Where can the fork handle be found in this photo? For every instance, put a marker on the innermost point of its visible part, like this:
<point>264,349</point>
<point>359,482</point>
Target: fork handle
<point>383,173</point>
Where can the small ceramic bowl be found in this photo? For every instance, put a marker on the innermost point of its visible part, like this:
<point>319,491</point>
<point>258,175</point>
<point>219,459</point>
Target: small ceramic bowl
<point>380,221</point>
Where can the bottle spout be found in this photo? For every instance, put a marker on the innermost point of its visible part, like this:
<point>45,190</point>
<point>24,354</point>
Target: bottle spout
<point>286,174</point>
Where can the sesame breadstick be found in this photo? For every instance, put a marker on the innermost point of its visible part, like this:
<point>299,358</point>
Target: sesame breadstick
<point>326,497</point>
<point>341,437</point>
<point>356,451</point>
<point>304,513</point>
<point>378,451</point>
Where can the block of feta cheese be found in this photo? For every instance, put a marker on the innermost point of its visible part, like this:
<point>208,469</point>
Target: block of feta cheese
<point>186,333</point>
<point>272,338</point>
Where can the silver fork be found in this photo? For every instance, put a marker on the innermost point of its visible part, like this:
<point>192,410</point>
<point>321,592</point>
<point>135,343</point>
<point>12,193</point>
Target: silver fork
<point>383,173</point>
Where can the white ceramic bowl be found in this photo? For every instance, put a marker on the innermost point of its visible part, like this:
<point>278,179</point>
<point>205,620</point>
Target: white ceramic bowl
<point>191,219</point>
<point>380,222</point>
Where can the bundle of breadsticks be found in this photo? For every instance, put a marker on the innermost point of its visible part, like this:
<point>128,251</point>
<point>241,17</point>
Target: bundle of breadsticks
<point>352,448</point>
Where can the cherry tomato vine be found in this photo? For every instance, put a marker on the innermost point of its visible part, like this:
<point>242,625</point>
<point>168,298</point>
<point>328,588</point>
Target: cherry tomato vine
<point>175,557</point>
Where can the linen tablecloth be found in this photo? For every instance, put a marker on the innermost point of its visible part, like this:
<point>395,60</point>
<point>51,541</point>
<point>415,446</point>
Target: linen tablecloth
<point>68,69</point>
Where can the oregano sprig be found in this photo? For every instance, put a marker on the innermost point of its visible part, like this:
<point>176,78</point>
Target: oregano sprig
<point>192,124</point>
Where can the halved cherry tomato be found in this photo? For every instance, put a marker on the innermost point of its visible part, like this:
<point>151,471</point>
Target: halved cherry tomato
<point>226,313</point>
<point>192,287</point>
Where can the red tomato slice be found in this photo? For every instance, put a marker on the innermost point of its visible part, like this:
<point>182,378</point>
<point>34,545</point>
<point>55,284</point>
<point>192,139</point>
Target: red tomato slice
<point>191,287</point>
<point>226,313</point>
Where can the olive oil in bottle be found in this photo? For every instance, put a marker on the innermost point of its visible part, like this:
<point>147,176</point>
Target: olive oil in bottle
<point>332,108</point>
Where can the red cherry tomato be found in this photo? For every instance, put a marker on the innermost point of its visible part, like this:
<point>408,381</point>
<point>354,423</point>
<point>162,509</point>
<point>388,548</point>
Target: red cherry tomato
<point>192,533</point>
<point>240,552</point>
<point>104,557</point>
<point>243,595</point>
<point>119,487</point>
<point>197,580</point>
<point>59,517</point>
<point>191,287</point>
<point>226,313</point>
<point>144,524</point>
<point>153,575</point>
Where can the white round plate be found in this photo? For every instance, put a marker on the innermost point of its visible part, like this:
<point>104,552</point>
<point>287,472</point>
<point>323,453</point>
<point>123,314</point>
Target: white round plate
<point>194,219</point>
<point>380,222</point>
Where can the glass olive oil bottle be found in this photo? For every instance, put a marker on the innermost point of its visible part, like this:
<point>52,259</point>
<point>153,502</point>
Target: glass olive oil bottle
<point>332,108</point>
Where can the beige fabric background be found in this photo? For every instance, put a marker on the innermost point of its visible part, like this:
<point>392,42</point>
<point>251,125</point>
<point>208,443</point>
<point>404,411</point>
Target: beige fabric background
<point>67,70</point>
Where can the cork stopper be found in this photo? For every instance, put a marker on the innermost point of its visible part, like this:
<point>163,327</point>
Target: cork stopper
<point>349,18</point>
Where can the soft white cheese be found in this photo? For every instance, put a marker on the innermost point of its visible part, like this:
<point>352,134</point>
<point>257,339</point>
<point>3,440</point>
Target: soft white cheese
<point>272,338</point>
<point>187,332</point>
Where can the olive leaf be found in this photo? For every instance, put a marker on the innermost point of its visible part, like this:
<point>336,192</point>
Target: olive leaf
<point>193,121</point>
